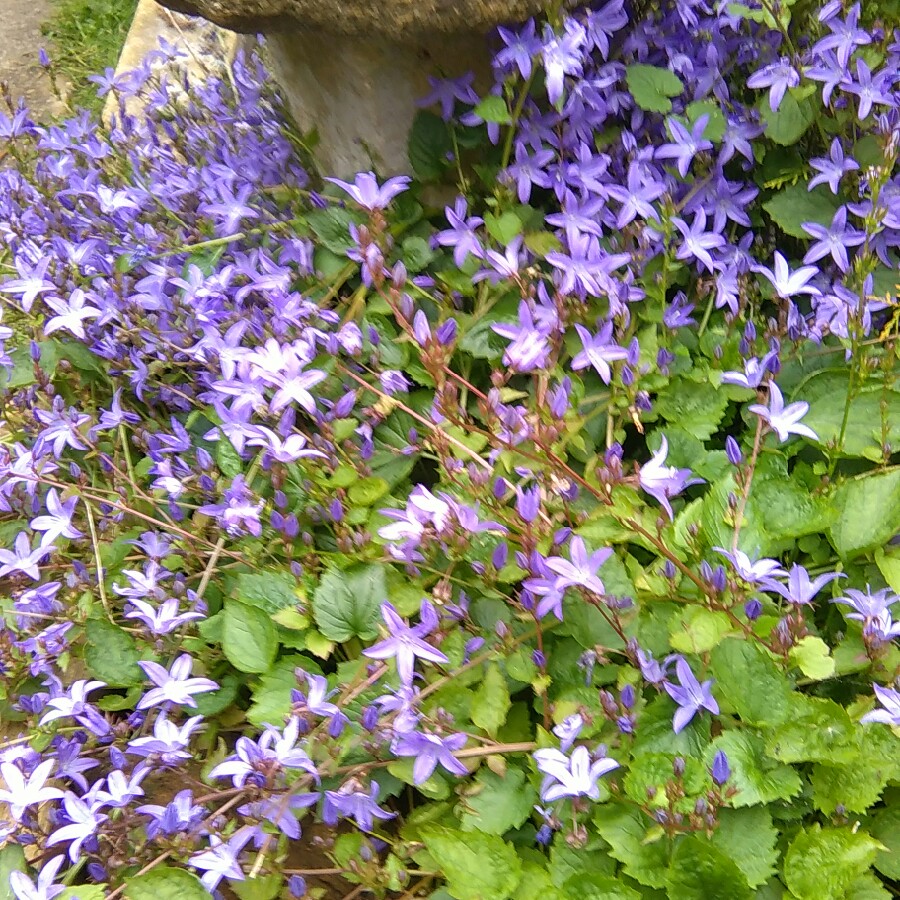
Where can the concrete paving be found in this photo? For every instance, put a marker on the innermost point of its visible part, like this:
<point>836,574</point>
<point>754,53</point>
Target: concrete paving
<point>20,40</point>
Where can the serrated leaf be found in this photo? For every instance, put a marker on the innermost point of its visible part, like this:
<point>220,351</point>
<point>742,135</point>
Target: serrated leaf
<point>367,490</point>
<point>269,591</point>
<point>625,830</point>
<point>589,886</point>
<point>697,630</point>
<point>817,730</point>
<point>868,513</point>
<point>111,655</point>
<point>854,787</point>
<point>695,406</point>
<point>748,837</point>
<point>262,887</point>
<point>827,394</point>
<point>332,227</point>
<point>700,871</point>
<point>346,604</point>
<point>493,109</point>
<point>652,86</point>
<point>885,828</point>
<point>429,143</point>
<point>497,803</point>
<point>491,702</point>
<point>758,778</point>
<point>477,866</point>
<point>794,205</point>
<point>749,682</point>
<point>12,859</point>
<point>249,639</point>
<point>813,657</point>
<point>821,864</point>
<point>165,883</point>
<point>790,121</point>
<point>272,695</point>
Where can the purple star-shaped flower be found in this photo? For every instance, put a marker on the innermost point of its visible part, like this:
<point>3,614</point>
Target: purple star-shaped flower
<point>366,191</point>
<point>783,420</point>
<point>430,750</point>
<point>777,77</point>
<point>832,168</point>
<point>890,700</point>
<point>690,695</point>
<point>598,351</point>
<point>405,643</point>
<point>662,481</point>
<point>789,284</point>
<point>174,685</point>
<point>577,775</point>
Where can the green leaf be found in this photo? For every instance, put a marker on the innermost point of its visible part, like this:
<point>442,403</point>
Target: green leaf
<point>272,696</point>
<point>758,778</point>
<point>695,406</point>
<point>477,866</point>
<point>652,87</point>
<point>587,886</point>
<point>791,120</point>
<point>650,772</point>
<point>697,630</point>
<point>715,127</point>
<point>249,639</point>
<point>497,803</point>
<point>416,253</point>
<point>794,205</point>
<point>491,701</point>
<point>886,829</point>
<point>12,859</point>
<point>262,887</point>
<point>855,786</point>
<point>429,143</point>
<point>332,227</point>
<point>503,228</point>
<point>889,566</point>
<point>868,513</point>
<point>165,883</point>
<point>821,864</point>
<point>111,655</point>
<point>749,682</point>
<point>228,459</point>
<point>817,730</point>
<point>87,892</point>
<point>346,604</point>
<point>868,887</point>
<point>367,490</point>
<point>268,591</point>
<point>493,109</point>
<point>700,871</point>
<point>625,829</point>
<point>748,837</point>
<point>813,657</point>
<point>535,884</point>
<point>827,394</point>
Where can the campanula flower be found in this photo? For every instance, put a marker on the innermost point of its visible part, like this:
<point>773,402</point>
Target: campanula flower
<point>405,643</point>
<point>19,793</point>
<point>783,420</point>
<point>366,191</point>
<point>173,685</point>
<point>690,695</point>
<point>430,750</point>
<point>577,775</point>
<point>662,481</point>
<point>890,712</point>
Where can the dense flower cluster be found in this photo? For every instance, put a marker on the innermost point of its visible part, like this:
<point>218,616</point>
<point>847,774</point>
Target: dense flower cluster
<point>517,518</point>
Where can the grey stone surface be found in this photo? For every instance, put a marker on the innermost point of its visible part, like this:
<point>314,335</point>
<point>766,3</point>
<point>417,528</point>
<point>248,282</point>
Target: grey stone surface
<point>361,95</point>
<point>398,19</point>
<point>20,39</point>
<point>205,49</point>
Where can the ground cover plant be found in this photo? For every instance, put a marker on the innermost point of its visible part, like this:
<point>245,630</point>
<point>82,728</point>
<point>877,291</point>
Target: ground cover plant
<point>86,37</point>
<point>542,546</point>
